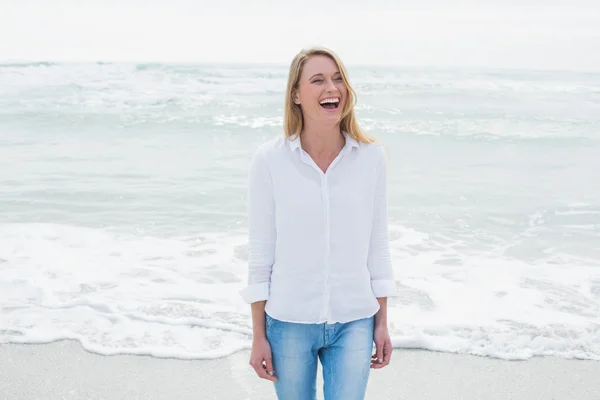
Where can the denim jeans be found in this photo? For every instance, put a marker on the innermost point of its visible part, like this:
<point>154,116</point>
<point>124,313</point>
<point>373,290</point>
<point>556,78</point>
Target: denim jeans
<point>344,349</point>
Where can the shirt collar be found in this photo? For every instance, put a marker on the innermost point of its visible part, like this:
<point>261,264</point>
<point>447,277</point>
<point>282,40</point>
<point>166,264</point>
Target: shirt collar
<point>350,141</point>
<point>295,142</point>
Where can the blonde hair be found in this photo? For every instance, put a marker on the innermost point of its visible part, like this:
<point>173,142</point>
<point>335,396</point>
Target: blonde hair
<point>293,121</point>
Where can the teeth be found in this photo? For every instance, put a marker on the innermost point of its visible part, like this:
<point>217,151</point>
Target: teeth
<point>336,100</point>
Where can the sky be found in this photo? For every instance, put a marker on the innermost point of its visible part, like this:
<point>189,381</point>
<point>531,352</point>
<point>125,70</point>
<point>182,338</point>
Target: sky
<point>531,34</point>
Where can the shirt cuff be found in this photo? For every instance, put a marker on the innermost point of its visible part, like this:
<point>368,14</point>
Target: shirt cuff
<point>255,292</point>
<point>383,288</point>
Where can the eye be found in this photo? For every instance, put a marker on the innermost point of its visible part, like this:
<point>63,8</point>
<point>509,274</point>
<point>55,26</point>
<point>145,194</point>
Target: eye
<point>339,79</point>
<point>317,80</point>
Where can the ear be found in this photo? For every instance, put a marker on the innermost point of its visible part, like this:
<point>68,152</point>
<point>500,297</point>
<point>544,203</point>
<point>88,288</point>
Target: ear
<point>295,97</point>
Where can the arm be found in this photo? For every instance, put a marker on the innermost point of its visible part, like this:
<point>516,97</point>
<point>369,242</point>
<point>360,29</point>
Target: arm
<point>380,268</point>
<point>379,261</point>
<point>381,316</point>
<point>261,240</point>
<point>258,320</point>
<point>261,255</point>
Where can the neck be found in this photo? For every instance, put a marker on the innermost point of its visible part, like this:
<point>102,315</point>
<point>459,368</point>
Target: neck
<point>322,139</point>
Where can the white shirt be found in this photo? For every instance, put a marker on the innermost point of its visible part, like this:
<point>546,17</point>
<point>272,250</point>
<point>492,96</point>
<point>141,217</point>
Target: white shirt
<point>318,242</point>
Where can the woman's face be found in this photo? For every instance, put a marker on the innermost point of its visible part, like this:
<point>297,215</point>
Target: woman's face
<point>321,90</point>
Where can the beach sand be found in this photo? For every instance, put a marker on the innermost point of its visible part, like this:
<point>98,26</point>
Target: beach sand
<point>64,370</point>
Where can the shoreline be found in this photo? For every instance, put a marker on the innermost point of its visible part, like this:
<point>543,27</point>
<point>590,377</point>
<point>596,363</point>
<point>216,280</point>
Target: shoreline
<point>64,370</point>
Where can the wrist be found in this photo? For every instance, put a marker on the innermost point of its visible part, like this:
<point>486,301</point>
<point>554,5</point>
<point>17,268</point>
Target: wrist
<point>381,315</point>
<point>259,338</point>
<point>380,322</point>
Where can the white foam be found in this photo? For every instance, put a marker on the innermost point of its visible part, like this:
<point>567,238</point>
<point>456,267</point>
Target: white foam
<point>108,289</point>
<point>247,121</point>
<point>124,293</point>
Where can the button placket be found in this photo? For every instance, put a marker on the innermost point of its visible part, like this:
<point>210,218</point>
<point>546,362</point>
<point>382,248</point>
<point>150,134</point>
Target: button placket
<point>325,198</point>
<point>327,225</point>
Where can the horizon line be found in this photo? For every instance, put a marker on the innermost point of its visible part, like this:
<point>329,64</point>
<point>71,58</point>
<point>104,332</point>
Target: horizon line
<point>281,64</point>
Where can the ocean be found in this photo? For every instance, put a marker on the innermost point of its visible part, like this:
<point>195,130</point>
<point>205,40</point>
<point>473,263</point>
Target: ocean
<point>123,194</point>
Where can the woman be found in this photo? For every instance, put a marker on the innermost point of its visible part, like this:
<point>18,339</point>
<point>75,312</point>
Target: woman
<point>319,263</point>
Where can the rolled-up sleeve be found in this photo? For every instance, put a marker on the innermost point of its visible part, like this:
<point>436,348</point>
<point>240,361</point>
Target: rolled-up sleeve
<point>261,230</point>
<point>379,261</point>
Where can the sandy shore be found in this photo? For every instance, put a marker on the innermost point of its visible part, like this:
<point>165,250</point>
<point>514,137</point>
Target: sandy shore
<point>63,370</point>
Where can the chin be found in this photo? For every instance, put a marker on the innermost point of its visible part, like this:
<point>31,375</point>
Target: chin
<point>337,114</point>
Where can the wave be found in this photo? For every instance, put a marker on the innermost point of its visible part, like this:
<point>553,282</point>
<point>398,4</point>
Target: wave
<point>28,64</point>
<point>125,292</point>
<point>558,341</point>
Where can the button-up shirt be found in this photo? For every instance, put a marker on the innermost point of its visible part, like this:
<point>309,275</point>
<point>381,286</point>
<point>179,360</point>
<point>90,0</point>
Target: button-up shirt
<point>318,241</point>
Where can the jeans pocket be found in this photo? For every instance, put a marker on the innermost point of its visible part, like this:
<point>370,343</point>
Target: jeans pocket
<point>268,321</point>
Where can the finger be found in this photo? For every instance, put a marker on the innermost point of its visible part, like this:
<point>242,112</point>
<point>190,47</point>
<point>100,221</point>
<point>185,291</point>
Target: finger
<point>269,366</point>
<point>262,373</point>
<point>379,352</point>
<point>377,358</point>
<point>256,367</point>
<point>260,370</point>
<point>387,353</point>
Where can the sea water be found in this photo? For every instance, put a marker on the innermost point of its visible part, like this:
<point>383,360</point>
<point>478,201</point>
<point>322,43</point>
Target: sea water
<point>123,205</point>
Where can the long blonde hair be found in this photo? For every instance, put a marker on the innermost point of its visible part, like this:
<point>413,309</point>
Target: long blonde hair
<point>293,121</point>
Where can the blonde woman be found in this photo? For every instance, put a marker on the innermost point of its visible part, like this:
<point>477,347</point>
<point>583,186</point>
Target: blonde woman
<point>319,262</point>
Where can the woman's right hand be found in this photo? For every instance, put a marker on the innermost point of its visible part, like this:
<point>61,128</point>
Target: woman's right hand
<point>261,359</point>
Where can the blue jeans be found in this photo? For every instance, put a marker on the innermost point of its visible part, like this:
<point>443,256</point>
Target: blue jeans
<point>344,350</point>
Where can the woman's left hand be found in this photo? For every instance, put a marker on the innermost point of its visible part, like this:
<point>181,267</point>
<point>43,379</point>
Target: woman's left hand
<point>383,347</point>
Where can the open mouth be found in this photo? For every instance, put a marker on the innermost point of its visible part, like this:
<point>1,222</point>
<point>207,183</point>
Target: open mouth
<point>330,103</point>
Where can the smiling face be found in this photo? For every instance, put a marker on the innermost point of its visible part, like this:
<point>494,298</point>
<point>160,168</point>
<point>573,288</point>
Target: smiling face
<point>321,91</point>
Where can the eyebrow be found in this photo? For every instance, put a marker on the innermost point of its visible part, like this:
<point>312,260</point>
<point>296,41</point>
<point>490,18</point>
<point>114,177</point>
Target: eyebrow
<point>320,74</point>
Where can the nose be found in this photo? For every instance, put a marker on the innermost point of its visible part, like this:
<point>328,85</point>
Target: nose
<point>330,86</point>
